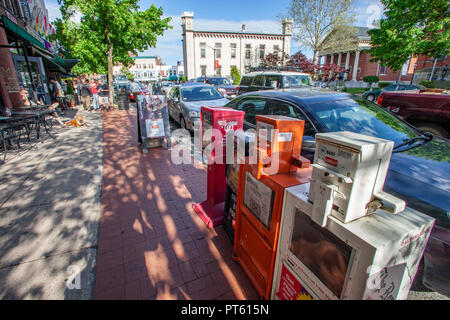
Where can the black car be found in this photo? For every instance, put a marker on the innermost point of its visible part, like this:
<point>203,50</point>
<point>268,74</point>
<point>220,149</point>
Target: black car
<point>223,85</point>
<point>419,168</point>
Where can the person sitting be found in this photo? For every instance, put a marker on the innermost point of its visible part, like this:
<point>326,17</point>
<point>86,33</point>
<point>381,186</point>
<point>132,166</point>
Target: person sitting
<point>27,102</point>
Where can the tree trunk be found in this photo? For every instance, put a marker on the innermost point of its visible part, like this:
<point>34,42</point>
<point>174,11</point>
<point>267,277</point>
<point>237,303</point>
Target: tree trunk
<point>110,77</point>
<point>110,71</point>
<point>432,71</point>
<point>314,61</point>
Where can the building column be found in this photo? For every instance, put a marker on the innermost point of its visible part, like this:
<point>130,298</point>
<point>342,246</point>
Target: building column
<point>339,59</point>
<point>332,58</point>
<point>347,64</point>
<point>355,65</point>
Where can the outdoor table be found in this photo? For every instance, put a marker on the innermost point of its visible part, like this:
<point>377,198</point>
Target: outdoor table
<point>14,124</point>
<point>37,117</point>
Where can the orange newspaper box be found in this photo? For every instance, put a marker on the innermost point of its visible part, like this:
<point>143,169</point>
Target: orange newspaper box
<point>260,197</point>
<point>279,137</point>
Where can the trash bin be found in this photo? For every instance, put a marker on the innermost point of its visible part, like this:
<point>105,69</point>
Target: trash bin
<point>123,101</point>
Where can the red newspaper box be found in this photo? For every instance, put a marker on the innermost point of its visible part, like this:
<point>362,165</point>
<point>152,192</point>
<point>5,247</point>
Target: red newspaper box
<point>221,121</point>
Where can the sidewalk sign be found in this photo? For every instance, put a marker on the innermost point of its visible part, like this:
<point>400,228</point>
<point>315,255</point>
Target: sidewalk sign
<point>152,113</point>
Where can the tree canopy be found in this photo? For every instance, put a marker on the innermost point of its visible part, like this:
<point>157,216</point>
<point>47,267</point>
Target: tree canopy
<point>411,28</point>
<point>315,20</point>
<point>108,32</point>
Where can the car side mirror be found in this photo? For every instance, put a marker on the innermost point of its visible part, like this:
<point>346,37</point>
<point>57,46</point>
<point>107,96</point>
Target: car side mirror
<point>309,144</point>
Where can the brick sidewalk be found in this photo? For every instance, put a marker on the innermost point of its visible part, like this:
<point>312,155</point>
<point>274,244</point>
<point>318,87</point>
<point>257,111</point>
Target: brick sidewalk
<point>152,245</point>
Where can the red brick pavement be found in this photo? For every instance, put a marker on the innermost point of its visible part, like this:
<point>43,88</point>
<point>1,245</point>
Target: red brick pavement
<point>152,245</point>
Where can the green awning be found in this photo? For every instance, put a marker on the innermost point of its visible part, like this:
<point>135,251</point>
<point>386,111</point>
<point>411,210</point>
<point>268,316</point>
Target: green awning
<point>67,64</point>
<point>171,78</point>
<point>21,33</point>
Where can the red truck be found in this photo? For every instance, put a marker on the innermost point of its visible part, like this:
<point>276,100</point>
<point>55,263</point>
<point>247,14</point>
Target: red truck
<point>428,111</point>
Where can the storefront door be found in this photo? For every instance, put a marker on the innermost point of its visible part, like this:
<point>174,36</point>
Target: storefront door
<point>38,74</point>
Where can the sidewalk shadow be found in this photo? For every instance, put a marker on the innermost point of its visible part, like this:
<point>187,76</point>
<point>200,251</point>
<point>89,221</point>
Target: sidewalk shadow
<point>152,245</point>
<point>50,214</point>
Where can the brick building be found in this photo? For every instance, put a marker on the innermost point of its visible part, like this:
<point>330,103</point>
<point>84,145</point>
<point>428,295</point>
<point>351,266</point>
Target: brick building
<point>356,61</point>
<point>28,54</point>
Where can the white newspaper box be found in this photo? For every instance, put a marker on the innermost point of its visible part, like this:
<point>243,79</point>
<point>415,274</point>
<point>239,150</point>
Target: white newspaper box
<point>348,176</point>
<point>374,257</point>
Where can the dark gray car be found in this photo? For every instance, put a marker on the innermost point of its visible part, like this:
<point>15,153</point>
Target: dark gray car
<point>418,171</point>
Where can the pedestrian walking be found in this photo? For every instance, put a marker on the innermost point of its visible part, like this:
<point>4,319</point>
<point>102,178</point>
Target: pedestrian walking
<point>86,94</point>
<point>444,72</point>
<point>135,89</point>
<point>94,91</point>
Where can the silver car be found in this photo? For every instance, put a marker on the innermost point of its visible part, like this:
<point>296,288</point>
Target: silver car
<point>185,101</point>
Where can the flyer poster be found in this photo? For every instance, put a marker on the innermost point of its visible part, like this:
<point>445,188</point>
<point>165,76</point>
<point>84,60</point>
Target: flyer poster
<point>152,111</point>
<point>290,288</point>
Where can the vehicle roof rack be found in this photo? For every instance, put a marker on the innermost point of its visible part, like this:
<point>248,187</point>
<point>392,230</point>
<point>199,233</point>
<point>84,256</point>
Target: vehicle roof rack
<point>276,68</point>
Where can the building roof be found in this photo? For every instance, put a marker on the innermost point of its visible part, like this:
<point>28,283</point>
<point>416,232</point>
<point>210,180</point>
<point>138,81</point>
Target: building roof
<point>145,57</point>
<point>362,32</point>
<point>242,33</point>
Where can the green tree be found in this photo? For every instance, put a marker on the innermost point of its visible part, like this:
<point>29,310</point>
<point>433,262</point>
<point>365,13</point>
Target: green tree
<point>235,75</point>
<point>323,24</point>
<point>108,33</point>
<point>127,73</point>
<point>410,28</point>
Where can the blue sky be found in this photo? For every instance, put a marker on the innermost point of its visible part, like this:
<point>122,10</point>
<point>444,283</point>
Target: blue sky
<point>257,15</point>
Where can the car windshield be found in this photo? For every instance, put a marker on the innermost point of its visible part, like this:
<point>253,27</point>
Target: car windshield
<point>219,81</point>
<point>198,93</point>
<point>361,116</point>
<point>296,81</point>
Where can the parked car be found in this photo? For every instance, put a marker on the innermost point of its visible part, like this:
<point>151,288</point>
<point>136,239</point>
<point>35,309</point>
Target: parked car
<point>223,85</point>
<point>372,95</point>
<point>166,86</point>
<point>427,111</point>
<point>119,80</point>
<point>130,94</point>
<point>419,167</point>
<point>184,102</point>
<point>269,80</point>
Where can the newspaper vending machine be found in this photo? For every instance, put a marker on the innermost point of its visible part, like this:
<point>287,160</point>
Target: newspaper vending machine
<point>216,124</point>
<point>260,196</point>
<point>341,236</point>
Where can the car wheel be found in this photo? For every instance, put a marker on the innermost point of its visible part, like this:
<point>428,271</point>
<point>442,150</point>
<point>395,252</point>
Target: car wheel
<point>371,97</point>
<point>435,129</point>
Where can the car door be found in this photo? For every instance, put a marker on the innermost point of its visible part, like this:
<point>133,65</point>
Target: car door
<point>258,83</point>
<point>245,84</point>
<point>252,106</point>
<point>174,103</point>
<point>274,80</point>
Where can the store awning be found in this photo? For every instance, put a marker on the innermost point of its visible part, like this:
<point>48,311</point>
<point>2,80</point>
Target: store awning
<point>171,78</point>
<point>21,33</point>
<point>51,61</point>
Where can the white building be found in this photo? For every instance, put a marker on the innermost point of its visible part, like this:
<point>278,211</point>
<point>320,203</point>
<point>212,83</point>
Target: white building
<point>241,48</point>
<point>150,69</point>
